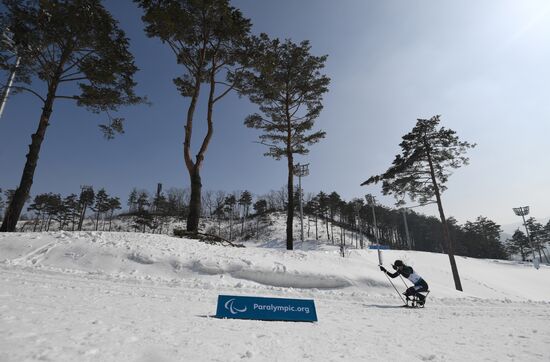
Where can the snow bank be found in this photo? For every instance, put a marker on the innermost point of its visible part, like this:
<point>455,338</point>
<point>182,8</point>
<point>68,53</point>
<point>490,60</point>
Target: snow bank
<point>94,296</point>
<point>313,266</point>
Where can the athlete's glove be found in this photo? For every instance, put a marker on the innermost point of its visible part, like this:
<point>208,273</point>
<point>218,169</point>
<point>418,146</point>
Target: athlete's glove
<point>383,269</point>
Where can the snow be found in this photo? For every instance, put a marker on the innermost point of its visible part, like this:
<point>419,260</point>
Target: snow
<point>99,296</point>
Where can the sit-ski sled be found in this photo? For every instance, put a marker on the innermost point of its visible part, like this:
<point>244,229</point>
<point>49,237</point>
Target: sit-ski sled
<point>415,302</point>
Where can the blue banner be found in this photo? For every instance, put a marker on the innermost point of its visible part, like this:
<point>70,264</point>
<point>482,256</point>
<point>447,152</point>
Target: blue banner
<point>270,309</point>
<point>381,247</point>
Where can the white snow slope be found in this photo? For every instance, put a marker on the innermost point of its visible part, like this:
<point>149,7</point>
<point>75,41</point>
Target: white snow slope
<point>96,296</point>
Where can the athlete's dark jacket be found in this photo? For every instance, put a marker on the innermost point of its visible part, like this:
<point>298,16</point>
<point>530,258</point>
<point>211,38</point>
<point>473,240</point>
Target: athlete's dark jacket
<point>409,273</point>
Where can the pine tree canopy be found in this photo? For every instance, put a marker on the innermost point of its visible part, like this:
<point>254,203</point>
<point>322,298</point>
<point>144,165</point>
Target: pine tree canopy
<point>410,172</point>
<point>207,37</point>
<point>70,41</point>
<point>246,198</point>
<point>285,80</point>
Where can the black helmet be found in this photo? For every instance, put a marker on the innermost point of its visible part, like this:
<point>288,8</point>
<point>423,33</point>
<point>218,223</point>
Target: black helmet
<point>397,264</point>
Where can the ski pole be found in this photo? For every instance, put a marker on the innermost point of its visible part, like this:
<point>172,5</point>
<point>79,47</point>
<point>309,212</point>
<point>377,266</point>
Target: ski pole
<point>399,294</point>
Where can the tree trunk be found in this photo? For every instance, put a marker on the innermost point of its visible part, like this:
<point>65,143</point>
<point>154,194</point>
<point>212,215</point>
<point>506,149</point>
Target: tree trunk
<point>49,223</point>
<point>195,202</point>
<point>22,192</point>
<point>111,219</point>
<point>82,216</point>
<point>97,221</point>
<point>244,218</point>
<point>343,233</point>
<point>316,235</point>
<point>194,168</point>
<point>194,175</point>
<point>332,228</point>
<point>290,206</point>
<point>37,220</point>
<point>290,186</point>
<point>326,223</point>
<point>231,223</point>
<point>448,244</point>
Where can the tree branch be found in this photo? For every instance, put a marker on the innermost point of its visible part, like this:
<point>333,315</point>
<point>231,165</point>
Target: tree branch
<point>72,79</point>
<point>266,144</point>
<point>177,49</point>
<point>269,122</point>
<point>74,98</point>
<point>76,62</point>
<point>224,93</point>
<point>29,90</point>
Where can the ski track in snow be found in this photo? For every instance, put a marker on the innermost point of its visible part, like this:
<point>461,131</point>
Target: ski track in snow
<point>133,297</point>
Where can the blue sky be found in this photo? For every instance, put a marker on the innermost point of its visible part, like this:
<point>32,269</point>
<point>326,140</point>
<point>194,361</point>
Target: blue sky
<point>481,65</point>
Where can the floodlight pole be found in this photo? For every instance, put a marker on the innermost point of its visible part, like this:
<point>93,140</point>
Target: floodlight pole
<point>358,212</point>
<point>301,171</point>
<point>371,200</point>
<point>5,92</point>
<point>522,211</point>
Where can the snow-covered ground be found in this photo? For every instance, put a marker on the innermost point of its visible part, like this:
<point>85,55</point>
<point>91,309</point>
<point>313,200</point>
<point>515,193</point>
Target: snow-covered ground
<point>98,296</point>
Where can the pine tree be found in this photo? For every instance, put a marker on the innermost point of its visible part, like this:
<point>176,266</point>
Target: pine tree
<point>53,208</point>
<point>260,207</point>
<point>132,200</point>
<point>546,235</point>
<point>62,214</point>
<point>143,220</point>
<point>38,206</point>
<point>159,204</point>
<point>423,168</point>
<point>519,243</point>
<point>113,204</point>
<point>537,232</point>
<point>287,84</point>
<point>245,201</point>
<point>142,201</point>
<point>86,199</point>
<point>357,205</point>
<point>69,45</point>
<point>71,205</point>
<point>323,209</point>
<point>101,205</point>
<point>312,208</point>
<point>229,207</point>
<point>333,205</point>
<point>209,39</point>
<point>485,234</point>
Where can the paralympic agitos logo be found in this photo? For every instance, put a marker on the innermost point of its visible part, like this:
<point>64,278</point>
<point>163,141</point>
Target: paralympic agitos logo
<point>231,308</point>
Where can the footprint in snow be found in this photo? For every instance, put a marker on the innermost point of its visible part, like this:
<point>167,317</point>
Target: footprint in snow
<point>431,357</point>
<point>280,268</point>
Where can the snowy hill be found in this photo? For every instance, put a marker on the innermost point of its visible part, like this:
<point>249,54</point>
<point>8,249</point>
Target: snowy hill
<point>98,296</point>
<point>266,227</point>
